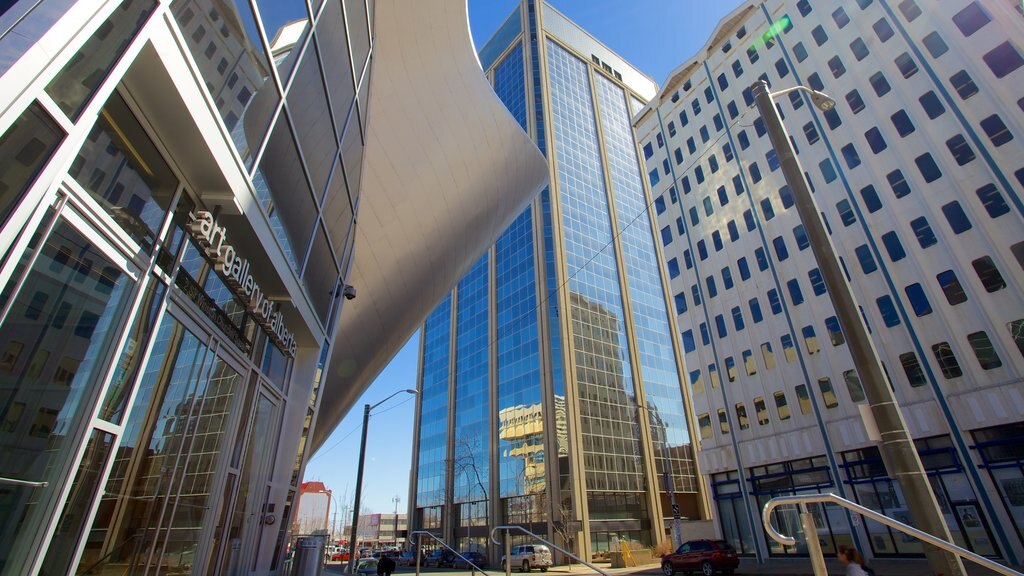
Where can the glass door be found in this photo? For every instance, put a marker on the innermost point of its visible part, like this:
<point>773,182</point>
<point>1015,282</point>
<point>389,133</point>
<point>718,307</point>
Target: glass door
<point>60,315</point>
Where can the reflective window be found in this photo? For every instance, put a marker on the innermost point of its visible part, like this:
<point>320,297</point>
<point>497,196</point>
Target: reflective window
<point>26,147</point>
<point>245,93</point>
<point>288,187</point>
<point>803,399</point>
<point>828,394</point>
<point>307,106</point>
<point>992,200</point>
<point>893,246</point>
<point>1003,59</point>
<point>989,274</point>
<point>888,311</point>
<point>918,299</point>
<point>73,86</point>
<point>932,105</point>
<point>947,360</point>
<point>853,386</point>
<point>971,19</point>
<point>871,200</point>
<point>123,170</point>
<point>62,321</point>
<point>963,84</point>
<point>912,368</point>
<point>984,351</point>
<point>781,406</point>
<point>810,340</point>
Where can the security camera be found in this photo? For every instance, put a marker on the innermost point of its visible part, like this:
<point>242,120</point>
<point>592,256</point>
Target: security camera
<point>349,292</point>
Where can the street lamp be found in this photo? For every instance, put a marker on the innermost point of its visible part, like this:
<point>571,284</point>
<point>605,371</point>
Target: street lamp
<point>896,445</point>
<point>394,533</point>
<point>359,478</point>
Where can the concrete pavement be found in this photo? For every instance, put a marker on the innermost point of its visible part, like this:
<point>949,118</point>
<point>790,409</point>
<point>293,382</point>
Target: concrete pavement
<point>748,567</point>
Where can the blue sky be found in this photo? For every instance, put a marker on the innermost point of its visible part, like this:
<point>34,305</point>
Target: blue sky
<point>655,36</point>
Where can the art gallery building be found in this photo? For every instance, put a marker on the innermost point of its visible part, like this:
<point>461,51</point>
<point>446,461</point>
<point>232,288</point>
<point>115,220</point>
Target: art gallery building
<point>182,265</point>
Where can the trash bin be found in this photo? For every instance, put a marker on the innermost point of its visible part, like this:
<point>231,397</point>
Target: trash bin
<point>309,557</point>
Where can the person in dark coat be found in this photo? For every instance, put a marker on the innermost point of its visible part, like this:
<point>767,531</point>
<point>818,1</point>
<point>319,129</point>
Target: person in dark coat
<point>385,566</point>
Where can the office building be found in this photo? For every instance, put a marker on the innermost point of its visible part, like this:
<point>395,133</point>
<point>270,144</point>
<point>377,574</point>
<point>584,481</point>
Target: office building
<point>551,393</point>
<point>918,175</point>
<point>177,213</point>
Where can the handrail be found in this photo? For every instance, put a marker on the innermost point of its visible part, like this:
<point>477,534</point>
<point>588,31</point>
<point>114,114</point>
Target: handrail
<point>508,566</point>
<point>28,483</point>
<point>869,513</point>
<point>442,543</point>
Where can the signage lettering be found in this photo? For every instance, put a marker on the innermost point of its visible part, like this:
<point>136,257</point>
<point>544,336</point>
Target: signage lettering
<point>212,238</point>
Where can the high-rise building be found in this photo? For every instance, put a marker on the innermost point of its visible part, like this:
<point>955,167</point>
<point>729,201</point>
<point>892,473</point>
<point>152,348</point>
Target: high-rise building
<point>918,174</point>
<point>179,185</point>
<point>551,392</point>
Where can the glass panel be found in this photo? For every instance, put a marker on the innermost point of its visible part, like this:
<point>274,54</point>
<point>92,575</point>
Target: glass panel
<point>352,155</point>
<point>150,462</point>
<point>61,550</point>
<point>22,22</point>
<point>321,275</point>
<point>288,188</point>
<point>307,105</point>
<point>25,147</point>
<point>227,48</point>
<point>286,23</point>
<point>121,168</point>
<point>337,210</point>
<point>330,35</point>
<point>358,32</point>
<point>75,84</point>
<point>56,333</point>
<point>128,364</point>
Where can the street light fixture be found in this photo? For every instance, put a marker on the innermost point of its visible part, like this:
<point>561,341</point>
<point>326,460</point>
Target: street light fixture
<point>359,478</point>
<point>896,445</point>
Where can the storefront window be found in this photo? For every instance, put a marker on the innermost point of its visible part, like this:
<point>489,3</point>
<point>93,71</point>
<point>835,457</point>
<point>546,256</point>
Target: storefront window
<point>156,501</point>
<point>54,336</point>
<point>122,170</point>
<point>1002,450</point>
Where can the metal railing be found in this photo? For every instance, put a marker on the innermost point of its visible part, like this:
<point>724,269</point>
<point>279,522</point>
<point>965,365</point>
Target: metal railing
<point>814,546</point>
<point>28,483</point>
<point>419,534</point>
<point>507,544</point>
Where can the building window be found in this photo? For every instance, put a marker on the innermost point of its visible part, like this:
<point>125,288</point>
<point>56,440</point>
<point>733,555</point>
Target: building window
<point>923,231</point>
<point>730,369</point>
<point>888,311</point>
<point>781,252</point>
<point>828,394</point>
<point>906,65</point>
<point>918,299</point>
<point>817,281</point>
<point>704,422</point>
<point>774,302</point>
<point>971,19</point>
<point>867,261</point>
<point>688,343</point>
<point>681,303</point>
<point>780,67</point>
<point>781,407</point>
<point>832,118</point>
<point>734,232</point>
<point>811,133</point>
<point>835,333</point>
<point>762,260</point>
<point>947,360</point>
<point>963,84</point>
<point>741,416</point>
<point>795,295</point>
<point>850,156</point>
<point>666,235</point>
<point>854,100</point>
<point>960,149</point>
<point>800,235</point>
<point>910,10</point>
<point>859,49</point>
<point>744,268</point>
<point>902,123</point>
<point>748,363</point>
<point>871,200</point>
<point>723,421</point>
<point>912,368</point>
<point>767,355</point>
<point>716,240</point>
<point>929,169</point>
<point>932,105</point>
<point>875,140</point>
<point>984,351</point>
<point>804,7</point>
<point>803,399</point>
<point>883,29</point>
<point>854,386</point>
<point>810,340</point>
<point>958,220</point>
<point>712,289</point>
<point>835,65</point>
<point>827,171</point>
<point>1016,328</point>
<point>989,275</point>
<point>996,130</point>
<point>893,246</point>
<point>819,35</point>
<point>1003,59</point>
<point>898,183</point>
<point>800,52</point>
<point>879,84</point>
<point>992,200</point>
<point>788,349</point>
<point>935,45</point>
<point>951,287</point>
<point>727,277</point>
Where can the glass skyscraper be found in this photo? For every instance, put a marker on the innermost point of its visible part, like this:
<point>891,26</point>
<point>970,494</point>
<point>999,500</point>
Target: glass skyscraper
<point>551,388</point>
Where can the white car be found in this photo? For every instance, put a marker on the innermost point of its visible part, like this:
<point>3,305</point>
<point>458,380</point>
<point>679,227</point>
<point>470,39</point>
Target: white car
<point>528,557</point>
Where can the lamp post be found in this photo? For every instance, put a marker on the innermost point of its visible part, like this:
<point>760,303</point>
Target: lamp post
<point>896,445</point>
<point>352,545</point>
<point>394,533</point>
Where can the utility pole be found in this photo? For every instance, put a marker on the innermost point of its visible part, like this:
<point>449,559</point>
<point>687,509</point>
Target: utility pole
<point>899,454</point>
<point>394,533</point>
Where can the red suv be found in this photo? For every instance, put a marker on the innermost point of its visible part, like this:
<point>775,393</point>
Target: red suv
<point>704,556</point>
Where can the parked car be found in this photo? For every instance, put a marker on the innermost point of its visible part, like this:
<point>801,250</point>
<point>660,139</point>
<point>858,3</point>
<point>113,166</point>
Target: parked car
<point>367,567</point>
<point>340,556</point>
<point>703,556</point>
<point>529,556</point>
<point>476,558</point>
<point>407,558</point>
<point>439,559</point>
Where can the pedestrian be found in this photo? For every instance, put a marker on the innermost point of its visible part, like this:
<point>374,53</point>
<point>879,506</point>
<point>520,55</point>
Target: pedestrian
<point>385,566</point>
<point>854,562</point>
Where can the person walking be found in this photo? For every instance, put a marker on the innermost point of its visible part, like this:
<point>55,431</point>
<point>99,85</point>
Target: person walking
<point>385,566</point>
<point>854,562</point>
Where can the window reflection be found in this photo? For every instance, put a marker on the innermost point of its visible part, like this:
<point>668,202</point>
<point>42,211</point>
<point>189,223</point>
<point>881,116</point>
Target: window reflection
<point>286,23</point>
<point>122,170</point>
<point>60,323</point>
<point>25,147</point>
<point>226,45</point>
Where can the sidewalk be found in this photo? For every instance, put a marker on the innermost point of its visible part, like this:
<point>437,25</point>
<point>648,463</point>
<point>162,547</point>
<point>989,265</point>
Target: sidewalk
<point>748,567</point>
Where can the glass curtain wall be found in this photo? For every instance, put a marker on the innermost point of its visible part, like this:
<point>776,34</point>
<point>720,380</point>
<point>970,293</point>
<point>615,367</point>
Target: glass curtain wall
<point>431,488</point>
